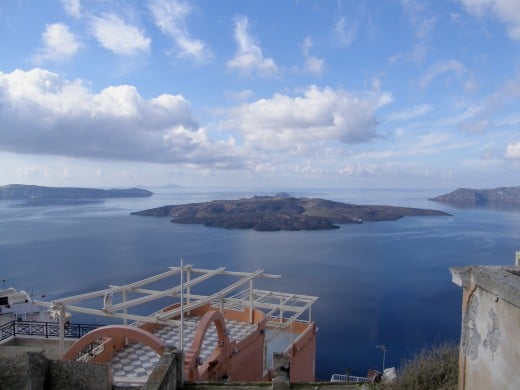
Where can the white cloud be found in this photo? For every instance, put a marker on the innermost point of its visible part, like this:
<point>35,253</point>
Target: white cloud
<point>417,54</point>
<point>58,44</point>
<point>508,11</point>
<point>510,120</point>
<point>513,151</point>
<point>72,7</point>
<point>475,126</point>
<point>471,85</point>
<point>477,7</point>
<point>306,46</point>
<point>469,113</point>
<point>169,16</point>
<point>114,34</point>
<point>43,114</point>
<point>426,27</point>
<point>240,95</point>
<point>440,68</point>
<point>410,113</point>
<point>432,139</point>
<point>249,57</point>
<point>313,64</point>
<point>344,34</point>
<point>479,116</point>
<point>411,145</point>
<point>297,123</point>
<point>360,169</point>
<point>422,23</point>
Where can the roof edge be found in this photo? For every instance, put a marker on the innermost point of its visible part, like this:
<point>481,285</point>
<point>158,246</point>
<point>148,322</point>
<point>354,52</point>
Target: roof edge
<point>503,281</point>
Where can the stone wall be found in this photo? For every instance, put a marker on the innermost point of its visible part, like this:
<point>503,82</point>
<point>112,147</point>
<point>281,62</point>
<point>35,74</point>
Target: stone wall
<point>64,375</point>
<point>167,374</point>
<point>32,370</point>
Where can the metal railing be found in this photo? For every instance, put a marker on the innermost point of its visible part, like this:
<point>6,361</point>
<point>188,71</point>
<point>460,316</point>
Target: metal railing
<point>348,378</point>
<point>7,330</point>
<point>43,329</point>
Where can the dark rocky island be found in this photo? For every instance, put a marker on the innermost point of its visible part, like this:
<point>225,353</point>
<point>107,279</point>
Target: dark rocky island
<point>43,196</point>
<point>266,213</point>
<point>467,197</point>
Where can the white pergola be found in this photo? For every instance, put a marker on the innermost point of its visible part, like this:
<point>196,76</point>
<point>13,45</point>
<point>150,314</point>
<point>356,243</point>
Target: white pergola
<point>281,309</point>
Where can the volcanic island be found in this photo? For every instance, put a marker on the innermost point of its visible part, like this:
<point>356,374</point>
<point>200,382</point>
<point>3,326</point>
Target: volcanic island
<point>281,212</point>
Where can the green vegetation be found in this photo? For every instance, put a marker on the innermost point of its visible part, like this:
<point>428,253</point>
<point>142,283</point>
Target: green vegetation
<point>434,368</point>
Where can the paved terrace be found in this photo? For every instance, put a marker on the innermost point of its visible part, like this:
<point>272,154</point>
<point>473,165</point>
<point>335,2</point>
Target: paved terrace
<point>135,362</point>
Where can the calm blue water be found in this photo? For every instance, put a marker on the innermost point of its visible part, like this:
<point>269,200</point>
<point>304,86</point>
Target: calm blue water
<point>379,283</point>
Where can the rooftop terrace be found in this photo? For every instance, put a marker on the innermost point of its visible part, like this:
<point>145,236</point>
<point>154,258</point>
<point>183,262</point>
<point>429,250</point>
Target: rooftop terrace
<point>249,316</point>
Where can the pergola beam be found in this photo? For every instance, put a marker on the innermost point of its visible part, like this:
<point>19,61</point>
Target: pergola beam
<point>299,297</point>
<point>293,318</point>
<point>235,273</point>
<point>161,294</point>
<point>282,303</point>
<point>208,299</point>
<point>258,304</point>
<point>268,301</point>
<point>101,313</point>
<point>131,286</point>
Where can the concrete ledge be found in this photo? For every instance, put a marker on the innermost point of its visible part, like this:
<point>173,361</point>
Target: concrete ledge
<point>167,374</point>
<point>268,385</point>
<point>501,281</point>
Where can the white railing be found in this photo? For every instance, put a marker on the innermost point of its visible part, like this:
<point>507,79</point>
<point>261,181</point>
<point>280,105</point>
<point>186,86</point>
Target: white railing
<point>90,351</point>
<point>347,378</point>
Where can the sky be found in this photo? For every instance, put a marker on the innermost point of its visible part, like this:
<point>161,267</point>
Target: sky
<point>271,93</point>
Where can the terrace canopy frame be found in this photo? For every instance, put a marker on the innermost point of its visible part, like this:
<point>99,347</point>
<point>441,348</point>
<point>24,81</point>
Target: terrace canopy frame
<point>281,309</point>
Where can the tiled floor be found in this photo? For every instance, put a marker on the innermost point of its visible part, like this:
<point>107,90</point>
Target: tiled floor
<point>138,360</point>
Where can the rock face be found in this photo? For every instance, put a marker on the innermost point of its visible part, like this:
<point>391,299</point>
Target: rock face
<point>483,197</point>
<point>266,213</point>
<point>30,192</point>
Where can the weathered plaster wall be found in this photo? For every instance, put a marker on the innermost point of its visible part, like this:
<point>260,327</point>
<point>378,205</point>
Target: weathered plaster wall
<point>490,335</point>
<point>490,342</point>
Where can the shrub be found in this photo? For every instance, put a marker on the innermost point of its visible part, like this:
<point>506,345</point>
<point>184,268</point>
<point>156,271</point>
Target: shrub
<point>434,368</point>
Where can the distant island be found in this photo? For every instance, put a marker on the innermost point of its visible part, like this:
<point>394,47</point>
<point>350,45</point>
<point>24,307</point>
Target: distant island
<point>283,212</point>
<point>44,196</point>
<point>467,197</point>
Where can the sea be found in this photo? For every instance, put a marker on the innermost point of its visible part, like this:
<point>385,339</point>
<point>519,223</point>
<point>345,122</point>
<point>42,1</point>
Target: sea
<point>384,288</point>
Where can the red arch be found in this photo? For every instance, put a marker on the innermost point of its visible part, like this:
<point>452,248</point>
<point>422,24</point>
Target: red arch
<point>116,331</point>
<point>205,322</point>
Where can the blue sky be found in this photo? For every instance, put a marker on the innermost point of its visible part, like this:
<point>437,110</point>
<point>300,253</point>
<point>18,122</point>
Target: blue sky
<point>291,93</point>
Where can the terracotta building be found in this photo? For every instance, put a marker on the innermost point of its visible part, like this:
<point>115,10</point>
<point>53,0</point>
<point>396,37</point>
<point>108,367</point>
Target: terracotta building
<point>228,334</point>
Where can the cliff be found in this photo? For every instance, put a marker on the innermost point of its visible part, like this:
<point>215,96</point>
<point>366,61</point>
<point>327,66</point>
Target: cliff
<point>265,213</point>
<point>482,197</point>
